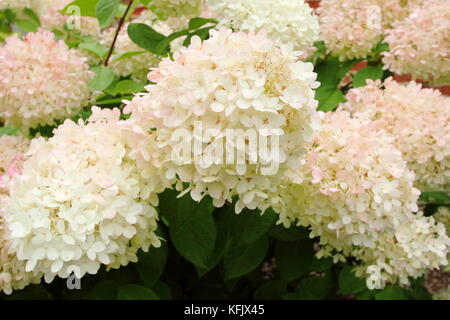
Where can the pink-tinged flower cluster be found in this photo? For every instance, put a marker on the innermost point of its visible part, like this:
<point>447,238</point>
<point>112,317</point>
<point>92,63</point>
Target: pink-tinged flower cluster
<point>354,191</point>
<point>420,45</point>
<point>352,28</point>
<point>41,80</point>
<point>286,21</point>
<point>137,66</point>
<point>210,97</point>
<point>12,149</point>
<point>52,18</point>
<point>418,120</point>
<point>82,201</point>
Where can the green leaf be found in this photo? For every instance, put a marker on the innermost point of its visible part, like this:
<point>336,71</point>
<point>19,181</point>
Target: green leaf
<point>271,290</point>
<point>127,55</point>
<point>391,293</point>
<point>196,23</point>
<point>192,229</point>
<point>222,242</point>
<point>87,7</point>
<point>203,33</point>
<point>250,225</point>
<point>162,290</point>
<point>94,47</point>
<point>30,13</point>
<point>147,38</point>
<point>27,25</point>
<point>105,11</point>
<point>135,292</point>
<point>126,87</point>
<point>315,287</point>
<point>9,131</point>
<point>103,78</point>
<point>381,47</point>
<point>349,283</point>
<point>329,98</point>
<point>369,72</point>
<point>33,292</point>
<point>321,265</point>
<point>292,233</point>
<point>242,260</point>
<point>151,264</point>
<point>328,71</point>
<point>104,290</point>
<point>294,258</point>
<point>435,197</point>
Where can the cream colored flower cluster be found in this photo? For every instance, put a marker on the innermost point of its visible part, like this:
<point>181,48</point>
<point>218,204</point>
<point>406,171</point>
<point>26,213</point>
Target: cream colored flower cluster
<point>214,101</point>
<point>417,118</point>
<point>41,80</point>
<point>286,21</point>
<point>138,66</point>
<point>14,4</point>
<point>354,191</point>
<point>12,271</point>
<point>82,201</point>
<point>420,45</point>
<point>52,18</point>
<point>352,28</point>
<point>176,8</point>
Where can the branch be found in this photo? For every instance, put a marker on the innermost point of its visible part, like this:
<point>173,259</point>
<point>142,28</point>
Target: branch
<point>122,20</point>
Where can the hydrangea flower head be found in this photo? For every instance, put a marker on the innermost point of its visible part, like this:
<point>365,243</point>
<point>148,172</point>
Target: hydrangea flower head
<point>419,45</point>
<point>82,201</point>
<point>41,80</point>
<point>216,102</point>
<point>417,118</point>
<point>286,21</point>
<point>354,191</point>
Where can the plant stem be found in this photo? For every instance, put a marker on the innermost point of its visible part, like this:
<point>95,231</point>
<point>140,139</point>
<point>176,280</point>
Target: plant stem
<point>122,20</point>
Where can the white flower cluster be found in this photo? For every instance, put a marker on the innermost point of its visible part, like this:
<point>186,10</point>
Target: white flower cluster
<point>234,83</point>
<point>353,190</point>
<point>51,17</point>
<point>176,8</point>
<point>286,21</point>
<point>41,80</point>
<point>81,201</point>
<point>417,118</point>
<point>138,66</point>
<point>420,45</point>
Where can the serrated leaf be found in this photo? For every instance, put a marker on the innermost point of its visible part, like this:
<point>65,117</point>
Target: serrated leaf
<point>250,225</point>
<point>329,98</point>
<point>369,72</point>
<point>103,78</point>
<point>192,229</point>
<point>196,23</point>
<point>105,10</point>
<point>239,261</point>
<point>94,47</point>
<point>136,292</point>
<point>147,38</point>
